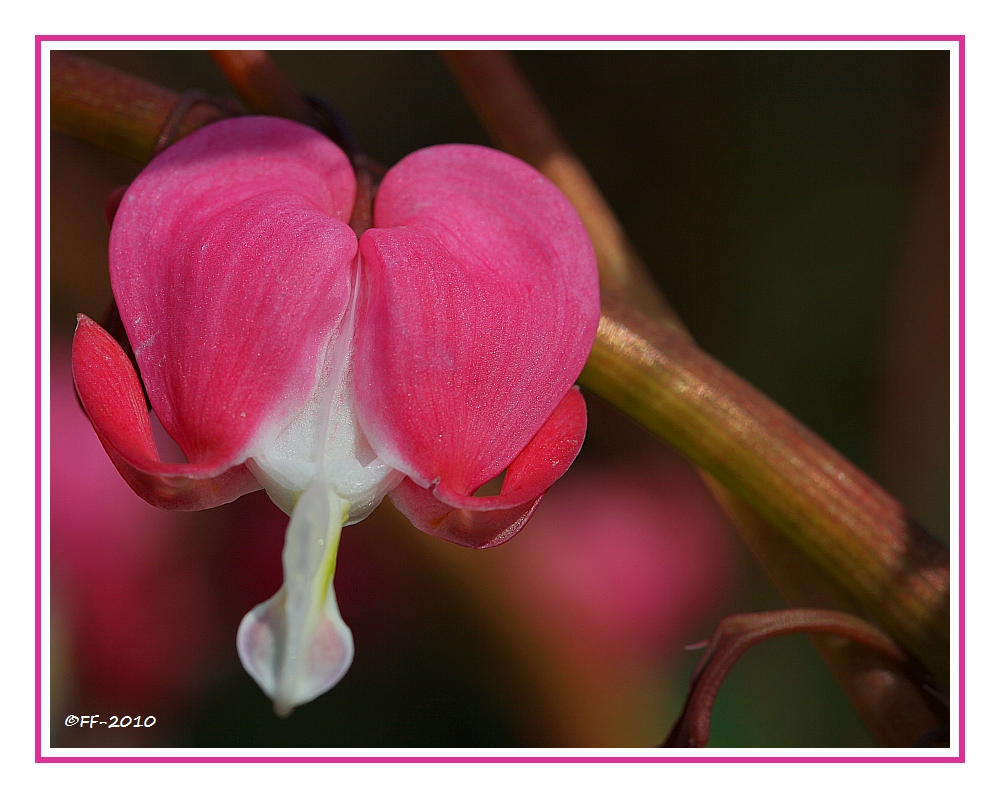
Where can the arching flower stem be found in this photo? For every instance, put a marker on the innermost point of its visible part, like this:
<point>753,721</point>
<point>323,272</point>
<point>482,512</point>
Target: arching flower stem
<point>736,634</point>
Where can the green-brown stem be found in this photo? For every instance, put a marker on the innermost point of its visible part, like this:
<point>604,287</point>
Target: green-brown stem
<point>114,110</point>
<point>858,534</point>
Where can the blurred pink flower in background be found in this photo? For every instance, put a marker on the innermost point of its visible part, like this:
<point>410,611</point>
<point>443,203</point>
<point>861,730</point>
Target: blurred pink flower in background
<point>636,559</point>
<point>620,567</point>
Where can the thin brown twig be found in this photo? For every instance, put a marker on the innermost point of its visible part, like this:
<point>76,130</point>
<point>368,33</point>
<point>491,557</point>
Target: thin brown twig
<point>261,86</point>
<point>736,634</point>
<point>887,698</point>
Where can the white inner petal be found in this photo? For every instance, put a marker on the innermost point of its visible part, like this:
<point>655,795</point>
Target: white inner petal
<point>320,469</point>
<point>295,645</point>
<point>326,436</point>
<point>288,463</point>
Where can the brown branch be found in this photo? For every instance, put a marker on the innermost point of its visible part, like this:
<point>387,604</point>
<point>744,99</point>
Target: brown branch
<point>115,110</point>
<point>736,634</point>
<point>859,535</point>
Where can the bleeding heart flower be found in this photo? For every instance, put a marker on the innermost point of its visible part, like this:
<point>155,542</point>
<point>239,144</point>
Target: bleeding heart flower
<point>281,352</point>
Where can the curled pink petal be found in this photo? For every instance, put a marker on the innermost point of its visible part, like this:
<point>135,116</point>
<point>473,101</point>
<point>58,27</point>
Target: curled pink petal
<point>112,397</point>
<point>480,309</point>
<point>484,521</point>
<point>231,264</point>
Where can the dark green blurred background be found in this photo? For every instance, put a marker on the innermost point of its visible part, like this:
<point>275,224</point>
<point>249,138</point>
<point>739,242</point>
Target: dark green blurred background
<point>793,207</point>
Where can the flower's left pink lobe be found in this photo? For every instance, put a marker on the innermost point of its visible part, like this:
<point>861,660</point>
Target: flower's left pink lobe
<point>231,263</point>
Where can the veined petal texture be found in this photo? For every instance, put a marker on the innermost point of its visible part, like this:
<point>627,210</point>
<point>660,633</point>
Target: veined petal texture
<point>231,263</point>
<point>480,306</point>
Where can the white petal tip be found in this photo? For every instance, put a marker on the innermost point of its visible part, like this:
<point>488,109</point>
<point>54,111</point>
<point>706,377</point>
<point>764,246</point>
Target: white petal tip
<point>293,669</point>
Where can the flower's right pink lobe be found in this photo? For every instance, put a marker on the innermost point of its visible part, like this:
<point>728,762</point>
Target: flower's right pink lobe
<point>481,304</point>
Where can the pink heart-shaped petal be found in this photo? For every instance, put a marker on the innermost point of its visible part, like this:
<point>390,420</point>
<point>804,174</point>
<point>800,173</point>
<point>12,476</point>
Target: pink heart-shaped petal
<point>481,305</point>
<point>231,264</point>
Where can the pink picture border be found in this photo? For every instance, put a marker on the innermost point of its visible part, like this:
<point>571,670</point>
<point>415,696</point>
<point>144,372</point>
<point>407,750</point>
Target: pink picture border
<point>959,758</point>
